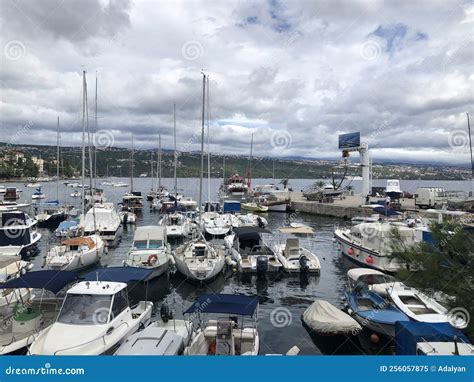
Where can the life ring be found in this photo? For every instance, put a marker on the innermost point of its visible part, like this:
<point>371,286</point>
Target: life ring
<point>350,252</point>
<point>152,259</point>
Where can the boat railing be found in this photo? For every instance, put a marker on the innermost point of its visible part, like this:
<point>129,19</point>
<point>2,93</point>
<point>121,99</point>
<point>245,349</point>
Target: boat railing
<point>91,341</point>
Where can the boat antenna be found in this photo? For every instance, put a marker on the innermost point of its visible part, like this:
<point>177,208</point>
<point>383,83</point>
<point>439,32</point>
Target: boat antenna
<point>175,152</point>
<point>57,164</point>
<point>158,170</point>
<point>131,168</point>
<point>202,142</point>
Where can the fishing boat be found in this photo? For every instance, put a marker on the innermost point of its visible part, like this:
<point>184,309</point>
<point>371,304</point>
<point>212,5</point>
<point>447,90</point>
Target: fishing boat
<point>393,189</point>
<point>295,259</point>
<point>38,194</point>
<point>104,220</point>
<point>246,247</point>
<point>198,260</point>
<point>32,313</point>
<point>150,250</point>
<point>18,230</point>
<point>235,186</point>
<point>95,317</point>
<point>369,308</point>
<point>225,336</point>
<point>253,207</point>
<point>370,244</point>
<point>75,254</point>
<point>166,336</point>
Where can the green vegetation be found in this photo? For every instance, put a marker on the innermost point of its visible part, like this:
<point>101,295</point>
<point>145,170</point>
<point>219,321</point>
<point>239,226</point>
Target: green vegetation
<point>444,265</point>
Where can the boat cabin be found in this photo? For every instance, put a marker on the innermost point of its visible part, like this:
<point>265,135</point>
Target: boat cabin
<point>248,241</point>
<point>149,237</point>
<point>361,279</point>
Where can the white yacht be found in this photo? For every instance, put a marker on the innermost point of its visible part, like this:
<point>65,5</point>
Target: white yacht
<point>199,261</point>
<point>106,222</point>
<point>370,244</point>
<point>295,259</point>
<point>18,229</point>
<point>216,224</point>
<point>94,319</point>
<point>75,254</point>
<point>225,336</point>
<point>177,225</point>
<point>150,250</point>
<point>393,189</point>
<point>187,203</point>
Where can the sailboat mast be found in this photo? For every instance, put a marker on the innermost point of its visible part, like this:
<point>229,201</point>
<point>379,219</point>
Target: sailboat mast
<point>175,152</point>
<point>159,162</point>
<point>57,165</point>
<point>151,171</point>
<point>95,132</point>
<point>273,169</point>
<point>249,173</point>
<point>83,175</point>
<point>91,172</point>
<point>223,168</point>
<point>470,145</point>
<point>131,168</point>
<point>202,142</point>
<point>208,148</point>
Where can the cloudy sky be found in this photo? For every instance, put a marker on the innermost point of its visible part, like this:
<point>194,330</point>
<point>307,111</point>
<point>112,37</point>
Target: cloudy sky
<point>295,73</point>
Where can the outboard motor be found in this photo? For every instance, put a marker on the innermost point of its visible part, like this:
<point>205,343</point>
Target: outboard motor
<point>304,266</point>
<point>262,265</point>
<point>125,218</point>
<point>260,222</point>
<point>166,313</point>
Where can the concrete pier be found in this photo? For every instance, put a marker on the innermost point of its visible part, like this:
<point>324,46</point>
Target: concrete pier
<point>345,207</point>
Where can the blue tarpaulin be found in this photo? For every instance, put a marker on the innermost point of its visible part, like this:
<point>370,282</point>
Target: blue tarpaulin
<point>408,334</point>
<point>231,206</point>
<point>117,274</point>
<point>224,303</point>
<point>50,280</point>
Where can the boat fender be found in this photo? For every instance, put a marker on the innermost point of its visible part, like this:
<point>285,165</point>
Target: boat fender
<point>152,259</point>
<point>369,260</point>
<point>165,313</point>
<point>350,252</point>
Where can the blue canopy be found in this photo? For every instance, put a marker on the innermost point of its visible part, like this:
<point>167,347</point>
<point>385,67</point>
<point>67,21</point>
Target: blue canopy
<point>117,274</point>
<point>66,224</point>
<point>224,303</point>
<point>50,280</point>
<point>386,212</point>
<point>408,334</point>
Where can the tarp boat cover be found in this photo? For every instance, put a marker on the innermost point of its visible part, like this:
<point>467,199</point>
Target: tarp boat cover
<point>325,318</point>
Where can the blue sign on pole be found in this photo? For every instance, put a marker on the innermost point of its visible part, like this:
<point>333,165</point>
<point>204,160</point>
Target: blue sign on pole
<point>348,141</point>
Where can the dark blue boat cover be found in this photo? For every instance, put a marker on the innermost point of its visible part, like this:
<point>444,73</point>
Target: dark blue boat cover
<point>224,303</point>
<point>117,274</point>
<point>50,280</point>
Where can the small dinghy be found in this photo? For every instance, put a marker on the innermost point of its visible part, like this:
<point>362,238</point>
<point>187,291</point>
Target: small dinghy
<point>325,319</point>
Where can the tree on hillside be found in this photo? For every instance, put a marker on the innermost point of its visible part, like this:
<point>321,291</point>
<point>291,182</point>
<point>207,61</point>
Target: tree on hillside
<point>443,264</point>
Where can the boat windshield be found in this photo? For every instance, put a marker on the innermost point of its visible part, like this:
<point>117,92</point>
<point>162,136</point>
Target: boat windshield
<point>140,244</point>
<point>371,279</point>
<point>85,309</point>
<point>154,244</point>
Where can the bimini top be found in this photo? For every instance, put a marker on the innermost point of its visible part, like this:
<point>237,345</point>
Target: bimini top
<point>249,232</point>
<point>50,280</point>
<point>117,274</point>
<point>224,303</point>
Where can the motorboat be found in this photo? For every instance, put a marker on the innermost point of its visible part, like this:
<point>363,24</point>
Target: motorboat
<point>369,308</point>
<point>95,195</point>
<point>370,244</point>
<point>216,224</point>
<point>246,247</point>
<point>187,203</point>
<point>127,217</point>
<point>150,250</point>
<point>393,189</point>
<point>95,317</point>
<point>119,184</point>
<point>68,228</point>
<point>177,225</point>
<point>273,204</point>
<point>200,261</point>
<point>12,267</point>
<point>31,312</point>
<point>423,338</point>
<point>75,254</point>
<point>18,229</point>
<point>235,186</point>
<point>296,259</point>
<point>11,193</point>
<point>38,194</point>
<point>75,194</point>
<point>249,220</point>
<point>50,214</point>
<point>253,207</point>
<point>417,305</point>
<point>325,319</point>
<point>225,336</point>
<point>166,336</point>
<point>2,190</point>
<point>132,201</point>
<point>13,206</point>
<point>104,220</point>
<point>32,185</point>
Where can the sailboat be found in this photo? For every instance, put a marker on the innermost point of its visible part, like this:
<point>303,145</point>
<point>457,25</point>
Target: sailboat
<point>81,252</point>
<point>199,260</point>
